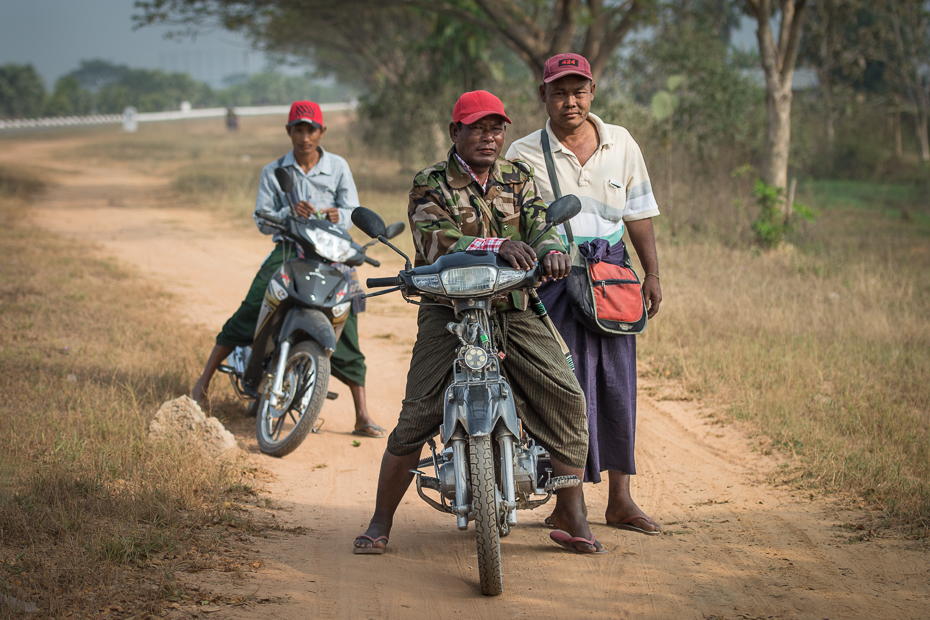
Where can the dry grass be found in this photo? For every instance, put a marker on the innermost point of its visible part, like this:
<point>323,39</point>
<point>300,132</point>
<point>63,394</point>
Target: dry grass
<point>91,515</point>
<point>825,347</point>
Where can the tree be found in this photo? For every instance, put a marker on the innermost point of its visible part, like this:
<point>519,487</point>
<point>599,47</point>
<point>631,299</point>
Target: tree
<point>22,94</point>
<point>533,29</point>
<point>778,61</point>
<point>69,99</point>
<point>902,41</point>
<point>92,75</point>
<point>832,44</point>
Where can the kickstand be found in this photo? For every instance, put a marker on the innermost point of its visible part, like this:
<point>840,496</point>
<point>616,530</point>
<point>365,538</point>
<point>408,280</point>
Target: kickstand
<point>316,427</point>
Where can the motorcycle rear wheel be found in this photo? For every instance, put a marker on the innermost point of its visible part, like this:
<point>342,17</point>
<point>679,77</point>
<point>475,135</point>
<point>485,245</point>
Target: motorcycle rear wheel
<point>487,514</point>
<point>306,379</point>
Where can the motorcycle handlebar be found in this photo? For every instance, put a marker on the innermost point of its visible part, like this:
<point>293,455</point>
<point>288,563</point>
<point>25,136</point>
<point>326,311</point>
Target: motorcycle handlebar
<point>272,219</point>
<point>372,262</point>
<point>381,282</point>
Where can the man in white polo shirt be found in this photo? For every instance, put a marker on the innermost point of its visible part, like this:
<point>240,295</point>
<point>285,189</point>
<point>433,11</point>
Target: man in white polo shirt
<point>604,167</point>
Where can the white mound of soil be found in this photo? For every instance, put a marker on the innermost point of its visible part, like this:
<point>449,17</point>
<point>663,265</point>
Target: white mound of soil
<point>182,420</point>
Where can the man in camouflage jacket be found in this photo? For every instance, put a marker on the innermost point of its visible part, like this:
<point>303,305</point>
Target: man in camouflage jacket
<point>476,201</point>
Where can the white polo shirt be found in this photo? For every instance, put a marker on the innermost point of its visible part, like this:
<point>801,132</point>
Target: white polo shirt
<point>613,185</point>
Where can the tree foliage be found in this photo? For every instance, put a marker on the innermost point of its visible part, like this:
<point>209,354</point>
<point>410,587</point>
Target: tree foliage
<point>533,29</point>
<point>900,36</point>
<point>715,105</point>
<point>22,94</point>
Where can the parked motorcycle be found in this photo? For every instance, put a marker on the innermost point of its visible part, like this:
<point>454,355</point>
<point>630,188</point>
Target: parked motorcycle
<point>285,373</point>
<point>489,468</point>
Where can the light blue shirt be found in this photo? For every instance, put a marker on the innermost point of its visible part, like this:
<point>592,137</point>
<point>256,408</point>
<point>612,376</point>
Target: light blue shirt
<point>328,184</point>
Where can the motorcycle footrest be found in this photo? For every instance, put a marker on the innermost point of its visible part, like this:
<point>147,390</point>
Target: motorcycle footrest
<point>562,482</point>
<point>331,395</point>
<point>428,482</point>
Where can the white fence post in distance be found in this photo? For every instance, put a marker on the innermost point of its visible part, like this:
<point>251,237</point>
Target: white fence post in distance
<point>130,123</point>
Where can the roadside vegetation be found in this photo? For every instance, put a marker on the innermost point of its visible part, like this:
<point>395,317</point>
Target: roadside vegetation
<point>93,519</point>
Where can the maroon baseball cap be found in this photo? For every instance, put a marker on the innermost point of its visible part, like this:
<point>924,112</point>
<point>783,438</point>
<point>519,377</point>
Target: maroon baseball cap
<point>305,112</point>
<point>566,64</point>
<point>475,105</point>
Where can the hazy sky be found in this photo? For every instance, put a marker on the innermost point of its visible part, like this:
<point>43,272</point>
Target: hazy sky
<point>55,35</point>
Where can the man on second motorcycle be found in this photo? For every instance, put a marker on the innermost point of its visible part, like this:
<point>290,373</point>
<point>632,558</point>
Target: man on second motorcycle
<point>324,185</point>
<point>477,201</point>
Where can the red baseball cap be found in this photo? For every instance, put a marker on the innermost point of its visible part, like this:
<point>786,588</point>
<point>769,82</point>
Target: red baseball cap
<point>561,65</point>
<point>475,105</point>
<point>305,112</point>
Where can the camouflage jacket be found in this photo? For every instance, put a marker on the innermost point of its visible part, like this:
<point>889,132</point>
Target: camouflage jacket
<point>448,210</point>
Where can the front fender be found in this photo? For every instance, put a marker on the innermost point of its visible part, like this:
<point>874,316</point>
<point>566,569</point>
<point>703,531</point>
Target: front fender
<point>478,407</point>
<point>311,322</point>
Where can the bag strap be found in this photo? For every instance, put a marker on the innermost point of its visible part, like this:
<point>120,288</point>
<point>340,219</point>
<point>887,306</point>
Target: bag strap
<point>556,190</point>
<point>554,178</point>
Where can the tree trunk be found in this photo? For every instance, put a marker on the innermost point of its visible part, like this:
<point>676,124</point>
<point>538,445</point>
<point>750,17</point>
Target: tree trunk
<point>778,60</point>
<point>898,138</point>
<point>922,138</point>
<point>777,137</point>
<point>831,115</point>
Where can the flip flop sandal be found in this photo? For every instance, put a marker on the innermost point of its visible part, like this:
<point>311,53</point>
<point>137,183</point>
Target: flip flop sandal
<point>567,541</point>
<point>370,550</point>
<point>361,431</point>
<point>626,524</point>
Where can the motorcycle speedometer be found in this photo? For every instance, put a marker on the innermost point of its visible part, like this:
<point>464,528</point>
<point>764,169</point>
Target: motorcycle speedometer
<point>329,246</point>
<point>469,281</point>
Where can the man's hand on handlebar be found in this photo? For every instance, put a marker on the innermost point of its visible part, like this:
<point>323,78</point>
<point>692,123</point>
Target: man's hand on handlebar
<point>304,209</point>
<point>518,254</point>
<point>556,266</point>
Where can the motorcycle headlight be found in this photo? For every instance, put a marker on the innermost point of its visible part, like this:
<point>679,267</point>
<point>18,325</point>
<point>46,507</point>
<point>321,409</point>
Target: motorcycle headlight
<point>340,309</point>
<point>467,281</point>
<point>509,276</point>
<point>329,246</point>
<point>428,283</point>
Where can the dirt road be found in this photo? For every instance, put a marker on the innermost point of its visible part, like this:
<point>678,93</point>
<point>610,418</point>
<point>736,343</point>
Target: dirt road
<point>734,546</point>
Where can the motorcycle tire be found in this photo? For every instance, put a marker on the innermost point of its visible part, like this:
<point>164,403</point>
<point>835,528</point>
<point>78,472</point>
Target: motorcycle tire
<point>306,376</point>
<point>487,515</point>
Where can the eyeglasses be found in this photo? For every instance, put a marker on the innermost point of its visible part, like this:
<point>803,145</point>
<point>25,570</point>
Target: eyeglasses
<point>495,130</point>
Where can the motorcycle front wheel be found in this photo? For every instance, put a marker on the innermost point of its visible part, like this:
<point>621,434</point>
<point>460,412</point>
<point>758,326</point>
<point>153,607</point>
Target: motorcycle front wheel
<point>281,429</point>
<point>487,514</point>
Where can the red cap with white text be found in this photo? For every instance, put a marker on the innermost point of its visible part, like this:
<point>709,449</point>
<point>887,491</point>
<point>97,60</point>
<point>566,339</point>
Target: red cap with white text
<point>566,64</point>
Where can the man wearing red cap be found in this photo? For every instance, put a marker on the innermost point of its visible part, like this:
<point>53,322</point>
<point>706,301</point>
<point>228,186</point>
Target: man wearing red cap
<point>325,188</point>
<point>604,167</point>
<point>477,201</point>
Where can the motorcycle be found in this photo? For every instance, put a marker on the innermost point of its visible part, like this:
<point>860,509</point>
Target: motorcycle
<point>285,373</point>
<point>488,468</point>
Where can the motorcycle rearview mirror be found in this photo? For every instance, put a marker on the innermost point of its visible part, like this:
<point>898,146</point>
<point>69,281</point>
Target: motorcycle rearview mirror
<point>369,222</point>
<point>559,212</point>
<point>372,225</point>
<point>287,186</point>
<point>394,229</point>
